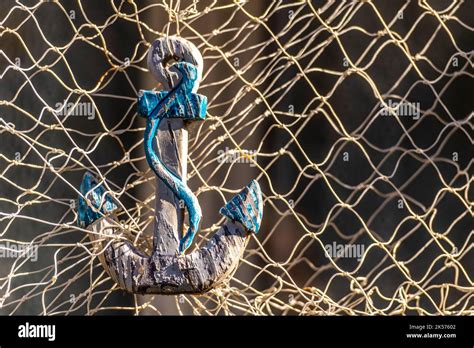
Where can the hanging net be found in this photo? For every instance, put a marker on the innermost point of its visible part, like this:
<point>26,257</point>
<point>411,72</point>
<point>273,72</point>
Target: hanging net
<point>355,117</point>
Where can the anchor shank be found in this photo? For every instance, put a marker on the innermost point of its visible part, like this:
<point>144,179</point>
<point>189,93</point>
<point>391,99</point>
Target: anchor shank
<point>172,145</point>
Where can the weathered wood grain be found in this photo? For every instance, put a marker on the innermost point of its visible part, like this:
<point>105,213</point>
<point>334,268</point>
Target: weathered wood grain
<point>193,273</point>
<point>172,146</point>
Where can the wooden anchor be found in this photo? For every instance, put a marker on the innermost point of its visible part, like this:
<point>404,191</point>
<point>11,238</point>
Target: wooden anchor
<point>169,270</point>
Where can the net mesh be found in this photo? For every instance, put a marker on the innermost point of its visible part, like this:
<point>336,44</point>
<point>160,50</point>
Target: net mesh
<point>354,116</point>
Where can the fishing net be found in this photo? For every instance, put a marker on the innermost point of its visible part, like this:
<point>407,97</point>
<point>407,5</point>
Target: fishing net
<point>354,116</point>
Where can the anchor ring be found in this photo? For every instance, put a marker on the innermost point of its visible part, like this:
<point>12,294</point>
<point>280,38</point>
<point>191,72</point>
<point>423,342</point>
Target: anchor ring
<point>168,50</point>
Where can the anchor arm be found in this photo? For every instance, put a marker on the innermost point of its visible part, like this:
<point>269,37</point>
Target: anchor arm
<point>193,273</point>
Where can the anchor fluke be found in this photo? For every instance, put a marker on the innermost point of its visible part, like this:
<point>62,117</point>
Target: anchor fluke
<point>100,204</point>
<point>246,207</point>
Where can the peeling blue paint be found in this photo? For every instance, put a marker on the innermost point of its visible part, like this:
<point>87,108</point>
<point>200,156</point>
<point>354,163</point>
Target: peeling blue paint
<point>95,194</point>
<point>246,207</point>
